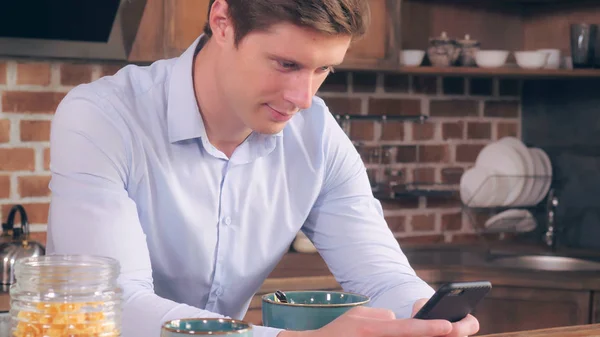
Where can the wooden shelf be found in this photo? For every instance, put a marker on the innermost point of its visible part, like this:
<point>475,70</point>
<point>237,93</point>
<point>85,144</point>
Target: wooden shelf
<point>501,72</point>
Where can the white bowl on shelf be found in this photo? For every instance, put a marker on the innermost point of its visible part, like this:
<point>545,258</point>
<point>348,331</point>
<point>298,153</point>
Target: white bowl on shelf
<point>554,57</point>
<point>491,58</point>
<point>531,59</point>
<point>411,57</point>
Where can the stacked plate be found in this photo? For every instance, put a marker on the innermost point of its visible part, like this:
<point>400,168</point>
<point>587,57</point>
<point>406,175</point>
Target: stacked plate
<point>507,173</point>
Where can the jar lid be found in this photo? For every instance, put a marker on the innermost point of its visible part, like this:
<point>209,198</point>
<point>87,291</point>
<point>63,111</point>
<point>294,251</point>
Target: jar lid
<point>468,42</point>
<point>442,39</point>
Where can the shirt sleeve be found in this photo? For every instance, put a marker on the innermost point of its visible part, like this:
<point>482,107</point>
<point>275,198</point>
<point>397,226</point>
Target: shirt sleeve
<point>349,230</point>
<point>92,213</point>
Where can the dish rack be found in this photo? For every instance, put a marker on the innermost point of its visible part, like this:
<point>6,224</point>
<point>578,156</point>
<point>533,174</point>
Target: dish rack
<point>527,217</point>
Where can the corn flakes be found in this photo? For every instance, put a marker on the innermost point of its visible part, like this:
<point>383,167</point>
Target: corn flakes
<point>64,320</point>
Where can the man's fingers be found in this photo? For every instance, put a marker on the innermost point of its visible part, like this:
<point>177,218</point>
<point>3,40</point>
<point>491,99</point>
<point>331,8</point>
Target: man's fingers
<point>468,326</point>
<point>372,313</point>
<point>413,327</point>
<point>418,305</point>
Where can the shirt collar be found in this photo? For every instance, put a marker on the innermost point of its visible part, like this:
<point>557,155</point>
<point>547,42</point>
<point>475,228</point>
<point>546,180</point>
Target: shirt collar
<point>183,116</point>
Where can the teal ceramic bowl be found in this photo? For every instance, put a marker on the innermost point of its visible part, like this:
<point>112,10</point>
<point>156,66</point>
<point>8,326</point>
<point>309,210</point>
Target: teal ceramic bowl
<point>205,326</point>
<point>308,310</point>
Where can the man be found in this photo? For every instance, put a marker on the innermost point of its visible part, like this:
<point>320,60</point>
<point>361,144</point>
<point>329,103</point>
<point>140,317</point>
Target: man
<point>196,173</point>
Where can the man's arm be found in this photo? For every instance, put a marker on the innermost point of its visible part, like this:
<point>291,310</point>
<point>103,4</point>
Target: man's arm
<point>92,213</point>
<point>347,226</point>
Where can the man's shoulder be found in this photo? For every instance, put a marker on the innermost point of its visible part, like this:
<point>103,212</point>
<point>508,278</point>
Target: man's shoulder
<point>126,85</point>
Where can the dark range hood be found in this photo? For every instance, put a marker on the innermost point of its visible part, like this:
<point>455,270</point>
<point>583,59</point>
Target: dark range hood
<point>77,29</point>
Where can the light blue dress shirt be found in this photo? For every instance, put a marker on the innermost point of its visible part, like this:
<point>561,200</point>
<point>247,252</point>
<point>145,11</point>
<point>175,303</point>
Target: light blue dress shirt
<point>135,177</point>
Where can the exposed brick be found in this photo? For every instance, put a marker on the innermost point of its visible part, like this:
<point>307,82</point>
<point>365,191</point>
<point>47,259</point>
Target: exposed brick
<point>343,105</point>
<point>396,83</point>
<point>31,102</point>
<point>336,82</point>
<point>453,108</point>
<point>425,85</point>
<point>364,81</point>
<point>37,213</point>
<point>443,201</point>
<point>423,222</point>
<point>4,186</point>
<point>34,73</point>
<point>369,154</point>
<point>452,175</point>
<point>396,175</point>
<point>423,131</point>
<point>479,130</point>
<point>397,224</point>
<point>401,203</point>
<point>33,186</point>
<point>421,239</point>
<point>392,131</point>
<point>454,85</point>
<point>453,130</point>
<point>452,222</point>
<point>507,109</point>
<point>47,159</point>
<point>474,238</point>
<point>424,175</point>
<point>40,237</point>
<point>362,130</point>
<point>2,73</point>
<point>507,129</point>
<point>406,154</point>
<point>75,74</point>
<point>397,107</point>
<point>35,131</point>
<point>4,130</point>
<point>510,87</point>
<point>467,153</point>
<point>17,159</point>
<point>387,154</point>
<point>110,69</point>
<point>482,86</point>
<point>434,153</point>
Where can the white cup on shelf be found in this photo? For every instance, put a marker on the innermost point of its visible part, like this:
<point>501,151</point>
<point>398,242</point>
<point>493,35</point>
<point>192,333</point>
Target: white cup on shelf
<point>553,61</point>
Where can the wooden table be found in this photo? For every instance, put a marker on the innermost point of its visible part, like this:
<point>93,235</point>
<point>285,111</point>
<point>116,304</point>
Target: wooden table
<point>590,330</point>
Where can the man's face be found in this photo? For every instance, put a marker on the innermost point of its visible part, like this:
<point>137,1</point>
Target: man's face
<point>272,75</point>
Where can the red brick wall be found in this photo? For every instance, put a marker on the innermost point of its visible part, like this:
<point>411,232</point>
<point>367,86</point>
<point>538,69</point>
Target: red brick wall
<point>464,116</point>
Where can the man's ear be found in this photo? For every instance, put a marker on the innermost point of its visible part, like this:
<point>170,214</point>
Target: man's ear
<point>220,23</point>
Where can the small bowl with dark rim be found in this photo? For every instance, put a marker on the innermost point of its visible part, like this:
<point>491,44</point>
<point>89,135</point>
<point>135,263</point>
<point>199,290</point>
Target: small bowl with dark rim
<point>308,310</point>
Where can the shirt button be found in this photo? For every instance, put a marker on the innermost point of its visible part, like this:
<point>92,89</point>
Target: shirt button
<point>219,291</point>
<point>228,221</point>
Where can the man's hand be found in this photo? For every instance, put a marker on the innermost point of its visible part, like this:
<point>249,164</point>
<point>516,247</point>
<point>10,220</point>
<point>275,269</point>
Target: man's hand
<point>466,327</point>
<point>371,322</point>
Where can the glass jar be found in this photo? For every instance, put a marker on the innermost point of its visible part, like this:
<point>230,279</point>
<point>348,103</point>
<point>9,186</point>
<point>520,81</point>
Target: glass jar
<point>65,296</point>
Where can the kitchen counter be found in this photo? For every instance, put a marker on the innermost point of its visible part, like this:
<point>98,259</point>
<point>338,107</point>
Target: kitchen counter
<point>592,330</point>
<point>446,263</point>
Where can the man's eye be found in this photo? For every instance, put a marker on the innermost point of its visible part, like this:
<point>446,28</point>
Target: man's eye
<point>288,65</point>
<point>327,69</point>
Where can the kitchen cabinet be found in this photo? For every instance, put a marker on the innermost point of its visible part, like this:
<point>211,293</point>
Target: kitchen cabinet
<point>168,27</point>
<point>379,48</point>
<point>508,309</point>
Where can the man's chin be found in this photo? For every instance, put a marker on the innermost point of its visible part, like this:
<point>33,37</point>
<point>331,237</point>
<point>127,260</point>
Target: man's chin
<point>270,128</point>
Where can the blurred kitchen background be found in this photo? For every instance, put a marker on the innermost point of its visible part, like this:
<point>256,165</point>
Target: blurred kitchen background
<point>431,85</point>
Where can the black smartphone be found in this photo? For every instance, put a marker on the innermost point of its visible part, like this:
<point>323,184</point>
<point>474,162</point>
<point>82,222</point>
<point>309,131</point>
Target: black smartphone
<point>454,301</point>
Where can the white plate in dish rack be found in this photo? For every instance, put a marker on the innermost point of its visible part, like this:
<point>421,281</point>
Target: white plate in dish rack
<point>508,165</point>
<point>529,169</point>
<point>545,169</point>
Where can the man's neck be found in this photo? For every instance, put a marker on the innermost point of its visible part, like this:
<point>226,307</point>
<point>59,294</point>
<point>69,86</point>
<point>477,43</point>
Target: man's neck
<point>223,129</point>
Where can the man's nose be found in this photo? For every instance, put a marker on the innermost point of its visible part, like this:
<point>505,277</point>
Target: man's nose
<point>300,91</point>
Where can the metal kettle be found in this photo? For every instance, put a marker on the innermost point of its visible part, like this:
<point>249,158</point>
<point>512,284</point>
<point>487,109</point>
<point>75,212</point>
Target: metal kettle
<point>16,244</point>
